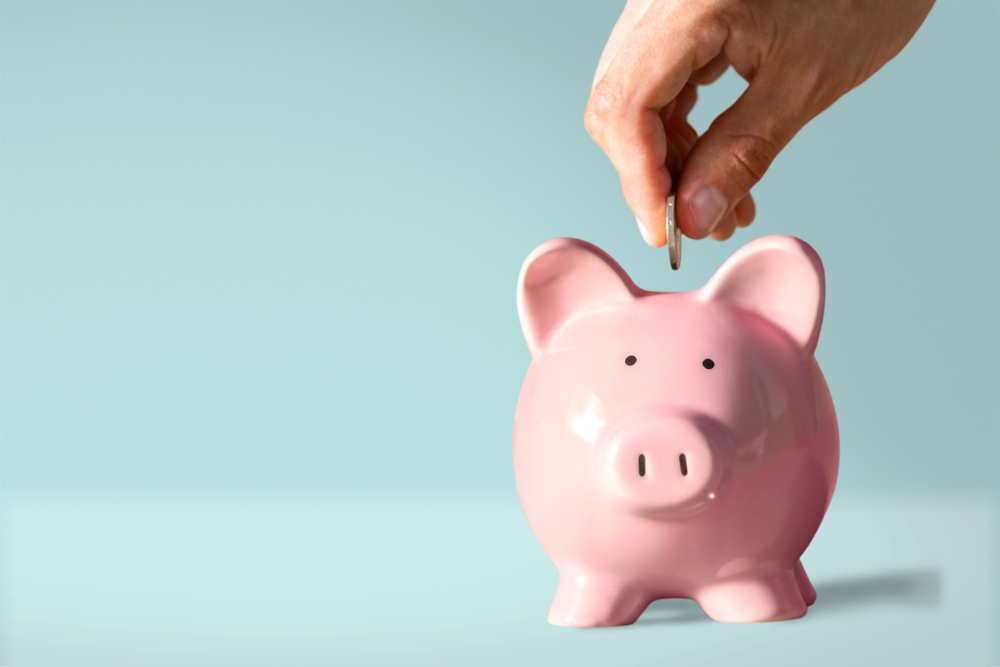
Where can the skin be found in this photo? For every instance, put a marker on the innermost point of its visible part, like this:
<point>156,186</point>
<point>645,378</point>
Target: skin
<point>798,57</point>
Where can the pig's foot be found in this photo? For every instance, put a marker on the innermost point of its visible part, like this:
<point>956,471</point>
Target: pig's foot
<point>772,597</point>
<point>805,586</point>
<point>585,600</point>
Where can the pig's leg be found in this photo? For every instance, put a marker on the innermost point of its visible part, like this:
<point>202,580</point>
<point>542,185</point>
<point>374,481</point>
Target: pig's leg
<point>773,596</point>
<point>805,586</point>
<point>585,600</point>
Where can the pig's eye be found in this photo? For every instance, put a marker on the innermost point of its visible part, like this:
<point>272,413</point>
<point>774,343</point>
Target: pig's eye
<point>630,360</point>
<point>708,363</point>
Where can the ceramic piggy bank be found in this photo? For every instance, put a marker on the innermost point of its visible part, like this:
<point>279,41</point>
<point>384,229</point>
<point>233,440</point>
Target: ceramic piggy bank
<point>675,444</point>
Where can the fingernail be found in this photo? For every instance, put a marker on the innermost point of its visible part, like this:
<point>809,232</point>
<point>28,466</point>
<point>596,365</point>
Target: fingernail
<point>708,206</point>
<point>646,234</point>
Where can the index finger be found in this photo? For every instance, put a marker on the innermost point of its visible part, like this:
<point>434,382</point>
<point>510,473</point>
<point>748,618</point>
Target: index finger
<point>623,114</point>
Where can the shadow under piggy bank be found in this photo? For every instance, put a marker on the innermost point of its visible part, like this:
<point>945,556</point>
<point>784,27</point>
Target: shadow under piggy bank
<point>919,588</point>
<point>674,611</point>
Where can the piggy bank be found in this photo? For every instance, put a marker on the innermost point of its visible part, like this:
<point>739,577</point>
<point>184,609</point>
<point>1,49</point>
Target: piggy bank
<point>675,445</point>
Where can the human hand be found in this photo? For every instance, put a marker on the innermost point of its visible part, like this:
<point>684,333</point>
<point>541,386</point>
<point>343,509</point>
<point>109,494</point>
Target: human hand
<point>798,56</point>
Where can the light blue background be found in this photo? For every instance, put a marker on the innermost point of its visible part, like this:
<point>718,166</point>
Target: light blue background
<point>271,248</point>
<point>261,253</point>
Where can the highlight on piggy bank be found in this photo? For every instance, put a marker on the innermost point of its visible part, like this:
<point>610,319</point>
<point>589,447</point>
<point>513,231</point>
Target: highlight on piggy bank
<point>675,445</point>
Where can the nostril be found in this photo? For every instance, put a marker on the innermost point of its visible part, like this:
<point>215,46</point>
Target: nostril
<point>642,465</point>
<point>684,465</point>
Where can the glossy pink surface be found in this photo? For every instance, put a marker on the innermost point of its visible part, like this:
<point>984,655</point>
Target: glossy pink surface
<point>675,444</point>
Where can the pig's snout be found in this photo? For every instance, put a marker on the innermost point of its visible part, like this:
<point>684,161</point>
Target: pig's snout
<point>661,462</point>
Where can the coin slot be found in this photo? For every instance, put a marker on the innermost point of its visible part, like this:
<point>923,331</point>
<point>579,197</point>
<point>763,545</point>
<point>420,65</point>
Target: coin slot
<point>642,465</point>
<point>684,465</point>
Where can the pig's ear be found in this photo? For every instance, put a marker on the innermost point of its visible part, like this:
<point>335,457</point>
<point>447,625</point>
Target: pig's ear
<point>780,278</point>
<point>562,277</point>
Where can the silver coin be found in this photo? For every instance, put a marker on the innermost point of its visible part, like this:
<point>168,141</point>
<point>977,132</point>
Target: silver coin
<point>673,235</point>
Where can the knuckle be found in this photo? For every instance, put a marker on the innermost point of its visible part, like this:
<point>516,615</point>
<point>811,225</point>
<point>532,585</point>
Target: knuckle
<point>592,123</point>
<point>605,104</point>
<point>752,154</point>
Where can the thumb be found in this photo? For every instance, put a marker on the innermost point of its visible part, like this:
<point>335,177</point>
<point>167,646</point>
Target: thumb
<point>733,154</point>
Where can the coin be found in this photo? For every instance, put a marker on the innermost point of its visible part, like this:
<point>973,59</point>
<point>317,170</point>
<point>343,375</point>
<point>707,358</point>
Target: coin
<point>673,235</point>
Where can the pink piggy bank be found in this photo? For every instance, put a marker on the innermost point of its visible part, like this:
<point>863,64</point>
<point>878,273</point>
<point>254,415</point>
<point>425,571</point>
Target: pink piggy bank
<point>675,444</point>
